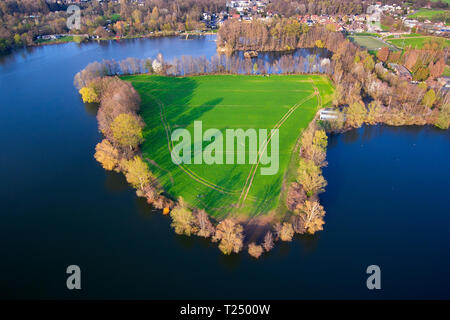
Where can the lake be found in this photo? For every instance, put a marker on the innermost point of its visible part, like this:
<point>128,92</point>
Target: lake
<point>387,204</point>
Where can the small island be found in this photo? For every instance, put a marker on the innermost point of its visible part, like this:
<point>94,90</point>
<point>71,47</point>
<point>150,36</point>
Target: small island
<point>337,87</point>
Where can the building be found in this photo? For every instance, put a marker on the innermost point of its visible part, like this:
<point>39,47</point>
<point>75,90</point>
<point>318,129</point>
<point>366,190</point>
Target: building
<point>328,114</point>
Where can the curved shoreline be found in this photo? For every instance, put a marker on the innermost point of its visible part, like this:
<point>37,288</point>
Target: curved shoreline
<point>304,213</point>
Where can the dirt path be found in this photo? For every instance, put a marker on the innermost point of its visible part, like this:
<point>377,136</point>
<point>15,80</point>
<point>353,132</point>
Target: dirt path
<point>251,176</point>
<point>193,175</point>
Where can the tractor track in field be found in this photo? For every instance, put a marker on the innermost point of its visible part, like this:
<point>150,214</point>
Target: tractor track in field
<point>153,162</point>
<point>189,172</point>
<point>251,176</point>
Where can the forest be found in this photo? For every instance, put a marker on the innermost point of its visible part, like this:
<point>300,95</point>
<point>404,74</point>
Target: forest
<point>365,86</point>
<point>22,21</point>
<point>343,7</point>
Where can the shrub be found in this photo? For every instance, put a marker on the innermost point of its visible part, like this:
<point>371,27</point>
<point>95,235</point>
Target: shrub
<point>182,219</point>
<point>268,241</point>
<point>136,172</point>
<point>255,250</point>
<point>107,155</point>
<point>285,231</point>
<point>89,95</point>
<point>309,175</point>
<point>311,214</point>
<point>230,235</point>
<point>127,130</point>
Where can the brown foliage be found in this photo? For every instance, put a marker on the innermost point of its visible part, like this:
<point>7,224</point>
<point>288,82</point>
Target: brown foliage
<point>231,237</point>
<point>298,223</point>
<point>136,172</point>
<point>436,69</point>
<point>383,54</point>
<point>117,97</point>
<point>255,250</point>
<point>284,231</point>
<point>268,241</point>
<point>311,216</point>
<point>126,130</point>
<point>309,175</point>
<point>107,155</point>
<point>205,227</point>
<point>278,35</point>
<point>161,202</point>
<point>296,195</point>
<point>183,221</point>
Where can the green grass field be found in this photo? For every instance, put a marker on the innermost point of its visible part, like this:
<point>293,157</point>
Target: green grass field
<point>60,40</point>
<point>444,1</point>
<point>369,34</point>
<point>406,35</point>
<point>368,42</point>
<point>416,42</point>
<point>429,13</point>
<point>226,102</point>
<point>446,71</point>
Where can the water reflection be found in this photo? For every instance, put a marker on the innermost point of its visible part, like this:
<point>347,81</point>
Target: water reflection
<point>368,133</point>
<point>272,56</point>
<point>230,262</point>
<point>283,248</point>
<point>91,109</point>
<point>115,182</point>
<point>144,209</point>
<point>309,242</point>
<point>350,136</point>
<point>185,242</point>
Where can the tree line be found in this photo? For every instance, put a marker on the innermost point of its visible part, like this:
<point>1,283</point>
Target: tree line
<point>277,35</point>
<point>302,7</point>
<point>367,92</point>
<point>220,64</point>
<point>22,21</point>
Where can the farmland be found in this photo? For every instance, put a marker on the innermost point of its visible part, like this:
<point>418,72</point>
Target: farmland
<point>368,42</point>
<point>417,41</point>
<point>430,13</point>
<point>226,102</point>
<point>447,71</point>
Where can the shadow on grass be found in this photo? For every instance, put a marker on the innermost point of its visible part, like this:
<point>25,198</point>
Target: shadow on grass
<point>267,197</point>
<point>174,95</point>
<point>217,203</point>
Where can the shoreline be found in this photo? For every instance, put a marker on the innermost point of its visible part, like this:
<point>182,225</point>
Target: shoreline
<point>257,231</point>
<point>148,36</point>
<point>255,228</point>
<point>303,213</point>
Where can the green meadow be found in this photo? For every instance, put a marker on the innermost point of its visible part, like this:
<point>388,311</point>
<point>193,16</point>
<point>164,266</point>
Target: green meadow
<point>60,40</point>
<point>417,41</point>
<point>447,71</point>
<point>444,1</point>
<point>368,42</point>
<point>222,102</point>
<point>430,13</point>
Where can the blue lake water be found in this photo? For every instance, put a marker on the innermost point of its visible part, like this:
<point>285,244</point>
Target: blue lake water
<point>387,204</point>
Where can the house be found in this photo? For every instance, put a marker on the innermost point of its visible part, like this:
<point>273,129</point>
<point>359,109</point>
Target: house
<point>328,114</point>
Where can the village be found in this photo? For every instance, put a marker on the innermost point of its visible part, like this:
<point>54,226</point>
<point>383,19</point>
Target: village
<point>248,10</point>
